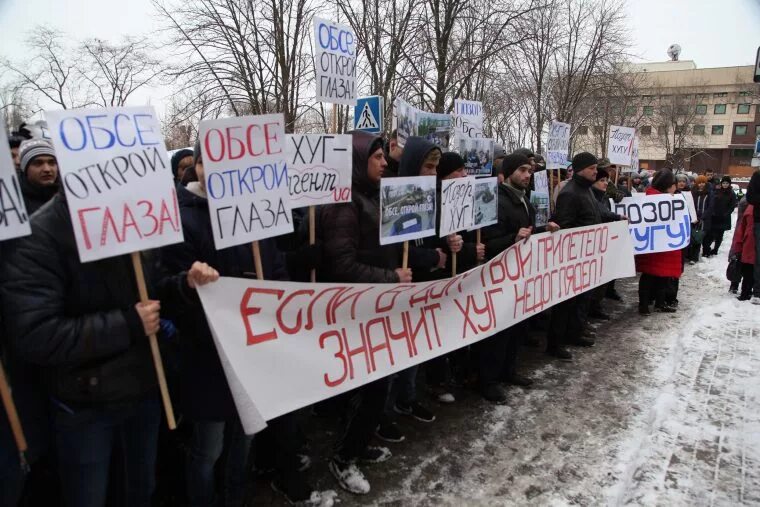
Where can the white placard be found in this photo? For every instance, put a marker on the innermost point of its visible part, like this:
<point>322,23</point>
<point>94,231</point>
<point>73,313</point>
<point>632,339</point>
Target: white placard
<point>468,119</point>
<point>246,176</point>
<point>557,145</point>
<point>620,145</point>
<point>457,204</point>
<point>335,62</point>
<point>657,223</point>
<point>117,178</point>
<point>14,220</point>
<point>407,208</point>
<point>486,208</point>
<point>319,169</point>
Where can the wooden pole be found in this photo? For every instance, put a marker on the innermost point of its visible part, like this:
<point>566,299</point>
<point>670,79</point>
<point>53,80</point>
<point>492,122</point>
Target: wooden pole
<point>13,419</point>
<point>257,261</point>
<point>477,240</point>
<point>157,363</point>
<point>313,236</point>
<point>405,259</point>
<point>454,264</point>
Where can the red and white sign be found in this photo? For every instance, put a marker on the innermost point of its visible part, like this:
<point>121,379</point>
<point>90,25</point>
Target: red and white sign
<point>319,168</point>
<point>117,178</point>
<point>288,345</point>
<point>14,220</point>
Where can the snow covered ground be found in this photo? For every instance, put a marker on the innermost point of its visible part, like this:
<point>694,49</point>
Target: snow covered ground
<point>664,410</point>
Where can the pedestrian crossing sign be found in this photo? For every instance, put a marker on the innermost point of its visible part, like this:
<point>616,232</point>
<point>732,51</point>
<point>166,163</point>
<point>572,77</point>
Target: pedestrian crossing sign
<point>368,114</point>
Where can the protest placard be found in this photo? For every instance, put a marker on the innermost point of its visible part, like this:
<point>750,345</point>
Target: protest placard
<point>319,169</point>
<point>620,145</point>
<point>557,145</point>
<point>246,174</point>
<point>657,223</point>
<point>634,164</point>
<point>289,345</point>
<point>540,197</point>
<point>14,220</point>
<point>457,205</point>
<point>485,210</point>
<point>467,119</point>
<point>477,154</point>
<point>335,62</point>
<point>404,121</point>
<point>435,127</point>
<point>117,178</point>
<point>407,208</point>
<point>690,206</point>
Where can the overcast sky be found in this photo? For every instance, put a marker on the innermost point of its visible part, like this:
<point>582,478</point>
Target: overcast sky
<point>713,33</point>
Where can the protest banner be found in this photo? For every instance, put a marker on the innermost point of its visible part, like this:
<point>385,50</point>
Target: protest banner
<point>335,62</point>
<point>467,119</point>
<point>289,345</point>
<point>486,207</point>
<point>557,145</point>
<point>435,127</point>
<point>120,191</point>
<point>540,197</point>
<point>657,223</point>
<point>620,145</point>
<point>478,155</point>
<point>368,114</point>
<point>14,220</point>
<point>404,121</point>
<point>319,169</point>
<point>634,164</point>
<point>117,178</point>
<point>246,176</point>
<point>407,208</point>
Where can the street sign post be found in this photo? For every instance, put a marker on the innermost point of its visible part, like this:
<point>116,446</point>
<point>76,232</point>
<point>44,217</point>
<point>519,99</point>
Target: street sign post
<point>368,114</point>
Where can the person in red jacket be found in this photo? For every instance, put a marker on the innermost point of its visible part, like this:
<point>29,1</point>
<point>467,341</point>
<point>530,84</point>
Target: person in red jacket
<point>657,268</point>
<point>743,246</point>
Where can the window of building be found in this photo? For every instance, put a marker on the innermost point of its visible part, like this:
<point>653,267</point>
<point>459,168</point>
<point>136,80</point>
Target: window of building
<point>597,129</point>
<point>743,152</point>
<point>740,130</point>
<point>701,109</point>
<point>682,109</point>
<point>631,110</point>
<point>647,98</point>
<point>717,130</point>
<point>680,129</point>
<point>665,110</point>
<point>699,130</point>
<point>719,109</point>
<point>745,94</point>
<point>582,130</point>
<point>703,96</point>
<point>647,130</point>
<point>720,95</point>
<point>649,110</point>
<point>742,108</point>
<point>662,130</point>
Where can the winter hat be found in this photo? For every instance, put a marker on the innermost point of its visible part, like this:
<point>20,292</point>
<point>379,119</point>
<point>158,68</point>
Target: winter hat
<point>196,151</point>
<point>525,152</point>
<point>450,162</point>
<point>643,175</point>
<point>179,155</point>
<point>602,173</point>
<point>33,148</point>
<point>604,163</point>
<point>681,177</point>
<point>499,151</point>
<point>725,179</point>
<point>539,160</point>
<point>512,162</point>
<point>583,160</point>
<point>663,180</point>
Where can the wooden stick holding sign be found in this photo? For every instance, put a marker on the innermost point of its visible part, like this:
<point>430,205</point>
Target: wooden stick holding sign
<point>454,264</point>
<point>405,256</point>
<point>257,260</point>
<point>155,352</point>
<point>313,235</point>
<point>13,419</point>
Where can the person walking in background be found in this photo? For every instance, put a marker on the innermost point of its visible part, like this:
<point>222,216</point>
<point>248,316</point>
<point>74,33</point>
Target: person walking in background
<point>723,204</point>
<point>753,198</point>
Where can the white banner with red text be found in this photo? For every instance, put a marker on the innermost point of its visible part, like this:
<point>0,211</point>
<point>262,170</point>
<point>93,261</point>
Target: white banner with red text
<point>288,345</point>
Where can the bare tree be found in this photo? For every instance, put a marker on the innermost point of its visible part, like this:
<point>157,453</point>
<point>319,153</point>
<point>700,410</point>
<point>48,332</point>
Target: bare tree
<point>116,71</point>
<point>677,125</point>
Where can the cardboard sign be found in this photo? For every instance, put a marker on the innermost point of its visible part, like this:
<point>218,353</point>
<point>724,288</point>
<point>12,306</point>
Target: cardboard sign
<point>404,121</point>
<point>14,220</point>
<point>117,178</point>
<point>246,173</point>
<point>457,205</point>
<point>407,208</point>
<point>478,155</point>
<point>486,207</point>
<point>657,223</point>
<point>690,205</point>
<point>634,167</point>
<point>557,145</point>
<point>289,345</point>
<point>620,145</point>
<point>319,169</point>
<point>368,114</point>
<point>468,119</point>
<point>335,62</point>
<point>435,127</point>
<point>540,197</point>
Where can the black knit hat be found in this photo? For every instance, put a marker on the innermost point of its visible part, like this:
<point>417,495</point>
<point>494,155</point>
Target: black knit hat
<point>601,173</point>
<point>179,155</point>
<point>450,162</point>
<point>527,152</point>
<point>583,160</point>
<point>663,180</point>
<point>726,179</point>
<point>512,162</point>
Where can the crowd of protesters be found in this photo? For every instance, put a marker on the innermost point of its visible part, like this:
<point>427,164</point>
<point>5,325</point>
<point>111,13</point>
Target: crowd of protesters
<point>74,341</point>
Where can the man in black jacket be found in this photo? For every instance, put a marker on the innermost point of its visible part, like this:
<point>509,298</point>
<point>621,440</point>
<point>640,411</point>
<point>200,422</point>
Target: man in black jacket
<point>497,355</point>
<point>753,198</point>
<point>576,207</point>
<point>78,322</point>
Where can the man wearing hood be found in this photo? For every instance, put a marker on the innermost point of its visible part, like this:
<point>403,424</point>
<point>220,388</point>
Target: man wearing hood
<point>39,173</point>
<point>393,153</point>
<point>350,234</point>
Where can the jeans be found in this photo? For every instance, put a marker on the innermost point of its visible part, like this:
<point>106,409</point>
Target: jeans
<point>365,410</point>
<point>756,286</point>
<point>212,440</point>
<point>85,440</point>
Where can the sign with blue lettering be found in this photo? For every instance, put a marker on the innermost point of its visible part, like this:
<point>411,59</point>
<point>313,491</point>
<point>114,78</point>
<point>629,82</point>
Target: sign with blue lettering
<point>368,114</point>
<point>657,223</point>
<point>335,62</point>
